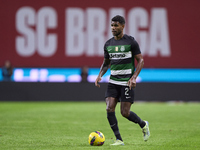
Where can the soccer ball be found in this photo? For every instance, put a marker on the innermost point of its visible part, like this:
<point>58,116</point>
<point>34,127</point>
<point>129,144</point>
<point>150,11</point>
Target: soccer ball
<point>96,138</point>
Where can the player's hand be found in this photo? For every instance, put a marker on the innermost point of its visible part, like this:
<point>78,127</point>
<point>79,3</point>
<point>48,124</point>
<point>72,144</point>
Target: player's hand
<point>98,79</point>
<point>132,83</point>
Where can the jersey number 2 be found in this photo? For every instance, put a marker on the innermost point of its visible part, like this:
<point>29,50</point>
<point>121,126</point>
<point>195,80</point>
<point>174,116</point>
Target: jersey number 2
<point>126,91</point>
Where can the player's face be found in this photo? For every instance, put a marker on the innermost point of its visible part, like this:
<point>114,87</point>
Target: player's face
<point>116,28</point>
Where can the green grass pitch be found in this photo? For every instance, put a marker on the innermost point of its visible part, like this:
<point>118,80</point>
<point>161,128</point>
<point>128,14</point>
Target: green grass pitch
<point>67,125</point>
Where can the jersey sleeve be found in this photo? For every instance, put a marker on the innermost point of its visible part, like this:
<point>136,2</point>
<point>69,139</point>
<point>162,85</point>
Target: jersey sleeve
<point>106,55</point>
<point>135,47</point>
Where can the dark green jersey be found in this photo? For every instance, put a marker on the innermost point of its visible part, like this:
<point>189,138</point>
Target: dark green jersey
<point>121,54</point>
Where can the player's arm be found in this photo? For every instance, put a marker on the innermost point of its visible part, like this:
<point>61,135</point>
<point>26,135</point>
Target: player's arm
<point>103,70</point>
<point>140,64</point>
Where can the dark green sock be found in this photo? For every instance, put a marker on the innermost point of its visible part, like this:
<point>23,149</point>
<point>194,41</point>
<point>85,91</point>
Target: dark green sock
<point>114,125</point>
<point>134,118</point>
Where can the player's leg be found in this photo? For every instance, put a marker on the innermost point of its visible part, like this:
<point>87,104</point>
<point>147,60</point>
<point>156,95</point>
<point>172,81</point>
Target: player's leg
<point>112,95</point>
<point>127,98</point>
<point>110,108</point>
<point>125,111</point>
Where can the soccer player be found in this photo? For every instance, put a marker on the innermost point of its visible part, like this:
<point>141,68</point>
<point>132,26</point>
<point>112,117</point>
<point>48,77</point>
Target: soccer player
<point>119,54</point>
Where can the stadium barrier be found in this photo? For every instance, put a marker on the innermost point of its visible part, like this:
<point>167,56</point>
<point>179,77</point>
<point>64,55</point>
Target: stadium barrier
<point>37,91</point>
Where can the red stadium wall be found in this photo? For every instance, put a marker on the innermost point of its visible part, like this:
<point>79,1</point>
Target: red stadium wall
<point>64,33</point>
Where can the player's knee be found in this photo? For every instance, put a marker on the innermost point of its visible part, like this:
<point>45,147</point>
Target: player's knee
<point>110,109</point>
<point>125,113</point>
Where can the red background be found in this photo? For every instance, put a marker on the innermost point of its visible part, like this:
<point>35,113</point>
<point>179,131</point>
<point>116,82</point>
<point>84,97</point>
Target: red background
<point>183,23</point>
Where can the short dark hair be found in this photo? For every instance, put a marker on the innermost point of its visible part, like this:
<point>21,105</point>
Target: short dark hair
<point>119,19</point>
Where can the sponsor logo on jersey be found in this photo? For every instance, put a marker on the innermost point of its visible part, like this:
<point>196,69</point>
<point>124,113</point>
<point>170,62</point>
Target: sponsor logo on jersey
<point>117,55</point>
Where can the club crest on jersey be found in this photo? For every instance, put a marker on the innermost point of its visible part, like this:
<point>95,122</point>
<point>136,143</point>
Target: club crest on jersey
<point>116,49</point>
<point>122,48</point>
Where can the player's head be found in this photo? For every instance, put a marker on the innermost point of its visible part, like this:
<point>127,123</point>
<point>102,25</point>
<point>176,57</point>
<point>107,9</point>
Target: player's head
<point>117,25</point>
<point>119,19</point>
